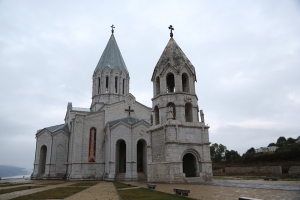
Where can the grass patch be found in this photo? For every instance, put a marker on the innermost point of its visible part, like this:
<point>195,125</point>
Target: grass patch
<point>119,185</point>
<point>143,193</point>
<point>85,184</point>
<point>56,193</point>
<point>7,184</point>
<point>51,183</point>
<point>4,191</point>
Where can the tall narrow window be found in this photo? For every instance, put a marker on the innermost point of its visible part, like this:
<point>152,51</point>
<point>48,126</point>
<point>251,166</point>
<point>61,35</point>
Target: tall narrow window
<point>170,83</point>
<point>106,85</point>
<point>188,112</point>
<point>157,85</point>
<point>156,115</point>
<point>123,85</point>
<point>92,145</point>
<point>185,83</point>
<point>173,108</point>
<point>99,88</point>
<point>116,84</point>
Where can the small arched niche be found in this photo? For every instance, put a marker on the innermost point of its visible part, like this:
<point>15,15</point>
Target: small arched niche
<point>188,112</point>
<point>170,104</point>
<point>170,83</point>
<point>156,115</point>
<point>185,83</point>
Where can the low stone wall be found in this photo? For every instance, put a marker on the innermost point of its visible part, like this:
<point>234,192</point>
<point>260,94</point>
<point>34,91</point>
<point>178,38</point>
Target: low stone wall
<point>215,171</point>
<point>254,169</point>
<point>294,170</point>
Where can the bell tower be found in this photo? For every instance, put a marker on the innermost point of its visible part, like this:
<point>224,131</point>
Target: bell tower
<point>111,77</point>
<point>179,141</point>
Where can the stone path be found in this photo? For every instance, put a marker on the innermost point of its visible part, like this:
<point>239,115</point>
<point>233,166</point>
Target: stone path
<point>213,191</point>
<point>103,190</point>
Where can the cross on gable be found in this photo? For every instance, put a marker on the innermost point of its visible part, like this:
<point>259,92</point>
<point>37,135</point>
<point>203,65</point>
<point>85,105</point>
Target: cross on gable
<point>129,110</point>
<point>171,28</point>
<point>112,28</point>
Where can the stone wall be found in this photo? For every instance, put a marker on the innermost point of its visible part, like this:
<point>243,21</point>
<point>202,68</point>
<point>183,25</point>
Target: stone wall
<point>294,170</point>
<point>254,169</point>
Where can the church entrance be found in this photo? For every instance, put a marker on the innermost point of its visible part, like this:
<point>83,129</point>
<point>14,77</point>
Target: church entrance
<point>141,159</point>
<point>42,161</point>
<point>141,156</point>
<point>189,165</point>
<point>121,156</point>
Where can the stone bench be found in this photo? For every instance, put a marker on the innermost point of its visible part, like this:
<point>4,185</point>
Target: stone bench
<point>247,198</point>
<point>151,186</point>
<point>183,192</point>
<point>271,178</point>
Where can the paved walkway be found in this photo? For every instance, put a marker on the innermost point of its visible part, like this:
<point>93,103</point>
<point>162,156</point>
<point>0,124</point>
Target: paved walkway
<point>230,191</point>
<point>103,190</point>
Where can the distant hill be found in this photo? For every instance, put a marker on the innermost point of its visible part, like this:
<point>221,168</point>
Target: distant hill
<point>7,171</point>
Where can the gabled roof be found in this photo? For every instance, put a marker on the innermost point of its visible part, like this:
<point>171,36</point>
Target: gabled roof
<point>111,57</point>
<point>128,120</point>
<point>53,129</point>
<point>174,56</point>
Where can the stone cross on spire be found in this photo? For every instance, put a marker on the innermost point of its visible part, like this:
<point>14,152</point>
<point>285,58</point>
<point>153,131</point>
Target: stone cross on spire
<point>112,28</point>
<point>171,28</point>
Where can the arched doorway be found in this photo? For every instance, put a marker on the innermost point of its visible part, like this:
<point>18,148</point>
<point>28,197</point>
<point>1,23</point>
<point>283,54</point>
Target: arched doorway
<point>141,156</point>
<point>189,163</point>
<point>121,156</point>
<point>42,160</point>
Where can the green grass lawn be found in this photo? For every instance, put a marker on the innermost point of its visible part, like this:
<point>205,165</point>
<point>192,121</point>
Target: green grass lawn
<point>119,185</point>
<point>7,184</point>
<point>86,183</point>
<point>4,191</point>
<point>143,193</point>
<point>56,193</point>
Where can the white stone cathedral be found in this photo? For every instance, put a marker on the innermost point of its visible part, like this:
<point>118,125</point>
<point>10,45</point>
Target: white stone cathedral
<point>118,138</point>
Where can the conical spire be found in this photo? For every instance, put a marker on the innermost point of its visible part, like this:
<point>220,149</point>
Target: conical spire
<point>111,57</point>
<point>174,56</point>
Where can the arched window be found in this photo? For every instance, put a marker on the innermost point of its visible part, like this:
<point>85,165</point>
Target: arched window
<point>174,109</point>
<point>99,88</point>
<point>157,85</point>
<point>156,115</point>
<point>185,82</point>
<point>170,83</point>
<point>188,112</point>
<point>123,85</point>
<point>116,84</point>
<point>92,145</point>
<point>106,84</point>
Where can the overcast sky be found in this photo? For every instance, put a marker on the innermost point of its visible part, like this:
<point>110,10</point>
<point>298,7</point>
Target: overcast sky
<point>246,55</point>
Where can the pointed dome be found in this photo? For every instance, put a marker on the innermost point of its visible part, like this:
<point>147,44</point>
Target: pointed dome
<point>174,56</point>
<point>111,57</point>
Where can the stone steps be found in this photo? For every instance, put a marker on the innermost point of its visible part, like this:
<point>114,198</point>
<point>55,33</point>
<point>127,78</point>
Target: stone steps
<point>193,179</point>
<point>142,176</point>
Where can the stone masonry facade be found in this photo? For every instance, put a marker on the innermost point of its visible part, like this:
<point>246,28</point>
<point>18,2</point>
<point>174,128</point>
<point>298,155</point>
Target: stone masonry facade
<point>118,138</point>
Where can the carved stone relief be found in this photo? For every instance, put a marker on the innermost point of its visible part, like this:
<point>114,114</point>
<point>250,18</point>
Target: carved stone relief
<point>187,99</point>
